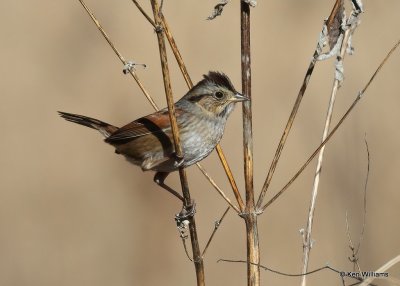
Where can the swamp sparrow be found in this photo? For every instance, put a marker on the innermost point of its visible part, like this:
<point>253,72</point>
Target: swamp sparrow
<point>201,115</point>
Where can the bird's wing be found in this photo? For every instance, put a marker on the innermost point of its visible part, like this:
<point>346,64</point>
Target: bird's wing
<point>150,124</point>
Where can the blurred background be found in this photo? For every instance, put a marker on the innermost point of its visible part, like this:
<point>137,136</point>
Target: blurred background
<point>74,213</point>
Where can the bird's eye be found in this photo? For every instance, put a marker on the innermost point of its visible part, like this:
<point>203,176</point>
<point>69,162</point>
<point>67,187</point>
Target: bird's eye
<point>219,95</point>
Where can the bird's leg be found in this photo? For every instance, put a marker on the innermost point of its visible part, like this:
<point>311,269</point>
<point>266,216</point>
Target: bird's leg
<point>187,211</point>
<point>159,179</point>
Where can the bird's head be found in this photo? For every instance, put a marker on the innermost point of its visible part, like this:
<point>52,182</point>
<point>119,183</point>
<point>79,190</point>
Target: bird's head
<point>216,94</point>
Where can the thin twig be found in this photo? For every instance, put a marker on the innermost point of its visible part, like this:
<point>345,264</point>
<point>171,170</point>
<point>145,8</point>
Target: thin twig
<point>216,227</point>
<point>383,268</point>
<point>189,83</point>
<point>250,214</point>
<point>176,52</point>
<point>133,74</point>
<point>354,255</point>
<point>144,13</point>
<point>353,259</point>
<point>341,273</point>
<point>289,274</point>
<point>229,174</point>
<point>186,249</point>
<point>290,121</point>
<point>356,100</point>
<point>198,261</point>
<point>307,241</point>
<point>211,180</point>
<point>286,131</point>
<point>365,197</point>
<point>283,273</point>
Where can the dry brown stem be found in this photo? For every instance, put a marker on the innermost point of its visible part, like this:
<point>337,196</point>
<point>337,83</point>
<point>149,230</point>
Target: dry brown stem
<point>131,71</point>
<point>198,260</point>
<point>216,226</point>
<point>250,214</point>
<point>211,180</point>
<point>144,13</point>
<point>318,50</point>
<point>342,119</point>
<point>354,258</point>
<point>231,179</point>
<point>176,52</point>
<point>289,124</point>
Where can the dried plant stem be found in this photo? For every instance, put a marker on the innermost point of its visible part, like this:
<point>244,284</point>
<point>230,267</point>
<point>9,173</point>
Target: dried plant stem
<point>176,52</point>
<point>307,241</point>
<point>133,74</point>
<point>198,260</point>
<point>231,179</point>
<point>300,95</point>
<point>289,125</point>
<point>383,268</point>
<point>189,83</point>
<point>167,83</point>
<point>326,267</point>
<point>313,155</point>
<point>216,226</point>
<point>354,250</point>
<point>144,13</point>
<point>354,258</point>
<point>201,168</point>
<point>250,214</point>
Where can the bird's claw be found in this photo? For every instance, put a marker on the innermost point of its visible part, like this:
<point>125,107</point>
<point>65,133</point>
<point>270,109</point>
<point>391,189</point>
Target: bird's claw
<point>178,161</point>
<point>185,214</point>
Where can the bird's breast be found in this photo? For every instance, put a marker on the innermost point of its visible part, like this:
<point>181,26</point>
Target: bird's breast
<point>199,138</point>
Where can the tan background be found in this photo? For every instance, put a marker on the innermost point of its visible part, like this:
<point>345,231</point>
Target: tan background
<point>74,213</point>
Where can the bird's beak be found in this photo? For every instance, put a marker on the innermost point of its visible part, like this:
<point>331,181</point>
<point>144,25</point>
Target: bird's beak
<point>239,97</point>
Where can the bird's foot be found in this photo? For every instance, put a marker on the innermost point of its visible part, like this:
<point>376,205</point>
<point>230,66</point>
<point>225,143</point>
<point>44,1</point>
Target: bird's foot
<point>178,161</point>
<point>185,214</point>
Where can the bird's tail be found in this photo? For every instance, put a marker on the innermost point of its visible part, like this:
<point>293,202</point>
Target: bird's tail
<point>104,128</point>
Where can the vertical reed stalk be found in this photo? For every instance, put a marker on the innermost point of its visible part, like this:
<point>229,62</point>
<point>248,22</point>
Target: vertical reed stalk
<point>250,215</point>
<point>197,259</point>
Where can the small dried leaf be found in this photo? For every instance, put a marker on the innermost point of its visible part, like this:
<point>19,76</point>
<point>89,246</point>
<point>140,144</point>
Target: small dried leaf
<point>130,66</point>
<point>218,9</point>
<point>334,22</point>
